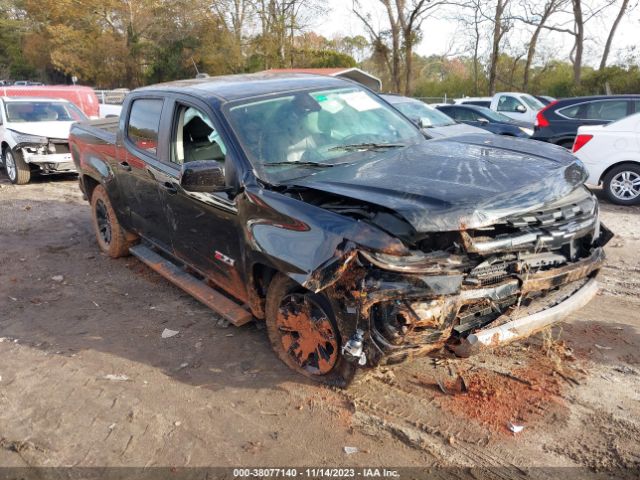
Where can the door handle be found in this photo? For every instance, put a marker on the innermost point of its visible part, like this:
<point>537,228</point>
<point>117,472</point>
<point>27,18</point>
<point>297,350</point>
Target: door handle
<point>170,187</point>
<point>125,166</point>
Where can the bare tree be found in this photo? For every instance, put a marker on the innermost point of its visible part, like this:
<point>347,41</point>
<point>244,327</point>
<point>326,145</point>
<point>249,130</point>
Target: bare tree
<point>500,28</point>
<point>405,19</point>
<point>538,18</point>
<point>581,14</point>
<point>607,47</point>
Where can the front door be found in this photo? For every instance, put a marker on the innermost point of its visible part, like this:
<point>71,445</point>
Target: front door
<point>512,107</point>
<point>205,229</point>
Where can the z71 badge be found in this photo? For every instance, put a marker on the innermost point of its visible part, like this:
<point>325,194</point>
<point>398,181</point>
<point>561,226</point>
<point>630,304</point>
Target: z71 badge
<point>223,258</point>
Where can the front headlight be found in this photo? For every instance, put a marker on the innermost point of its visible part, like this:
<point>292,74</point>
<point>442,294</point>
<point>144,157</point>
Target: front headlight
<point>26,138</point>
<point>442,263</point>
<point>528,131</point>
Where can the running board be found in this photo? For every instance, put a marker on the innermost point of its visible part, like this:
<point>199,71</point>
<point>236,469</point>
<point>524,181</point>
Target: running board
<point>202,292</point>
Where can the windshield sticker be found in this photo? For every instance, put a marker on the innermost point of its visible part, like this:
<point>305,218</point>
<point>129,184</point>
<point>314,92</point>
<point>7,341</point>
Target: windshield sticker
<point>360,101</point>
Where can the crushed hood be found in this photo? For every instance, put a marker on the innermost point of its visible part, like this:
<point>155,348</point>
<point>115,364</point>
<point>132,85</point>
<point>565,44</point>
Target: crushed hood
<point>42,129</point>
<point>454,184</point>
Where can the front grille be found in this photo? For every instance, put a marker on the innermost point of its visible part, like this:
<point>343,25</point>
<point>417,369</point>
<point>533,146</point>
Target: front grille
<point>569,209</point>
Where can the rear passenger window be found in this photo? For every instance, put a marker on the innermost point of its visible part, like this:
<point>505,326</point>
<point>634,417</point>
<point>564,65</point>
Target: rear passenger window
<point>610,110</point>
<point>601,110</point>
<point>144,123</point>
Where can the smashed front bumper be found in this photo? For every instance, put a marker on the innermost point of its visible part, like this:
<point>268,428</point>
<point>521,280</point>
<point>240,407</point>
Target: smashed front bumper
<point>428,313</point>
<point>521,325</point>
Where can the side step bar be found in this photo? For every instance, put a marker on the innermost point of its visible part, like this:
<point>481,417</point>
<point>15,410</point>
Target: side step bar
<point>202,292</point>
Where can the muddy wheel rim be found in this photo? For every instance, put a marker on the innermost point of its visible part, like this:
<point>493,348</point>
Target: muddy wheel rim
<point>307,334</point>
<point>103,221</point>
<point>10,165</point>
<point>626,185</point>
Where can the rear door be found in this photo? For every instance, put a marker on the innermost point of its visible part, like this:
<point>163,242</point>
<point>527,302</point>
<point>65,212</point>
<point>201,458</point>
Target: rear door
<point>143,168</point>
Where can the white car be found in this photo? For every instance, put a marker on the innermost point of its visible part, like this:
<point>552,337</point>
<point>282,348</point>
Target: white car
<point>34,133</point>
<point>517,105</point>
<point>432,122</point>
<point>611,153</point>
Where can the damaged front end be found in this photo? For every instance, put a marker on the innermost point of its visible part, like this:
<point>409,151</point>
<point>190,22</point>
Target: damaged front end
<point>47,155</point>
<point>472,288</point>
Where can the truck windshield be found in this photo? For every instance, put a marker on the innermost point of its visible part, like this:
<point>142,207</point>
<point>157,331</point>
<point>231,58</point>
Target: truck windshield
<point>293,134</point>
<point>42,111</point>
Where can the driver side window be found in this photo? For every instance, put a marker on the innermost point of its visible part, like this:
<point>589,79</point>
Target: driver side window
<point>195,137</point>
<point>508,103</point>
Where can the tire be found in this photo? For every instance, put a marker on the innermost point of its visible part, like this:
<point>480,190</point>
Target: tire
<point>17,169</point>
<point>622,184</point>
<point>294,314</point>
<point>111,237</point>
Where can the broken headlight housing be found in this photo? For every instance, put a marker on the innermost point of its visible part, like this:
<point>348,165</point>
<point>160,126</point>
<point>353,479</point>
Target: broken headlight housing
<point>29,139</point>
<point>418,262</point>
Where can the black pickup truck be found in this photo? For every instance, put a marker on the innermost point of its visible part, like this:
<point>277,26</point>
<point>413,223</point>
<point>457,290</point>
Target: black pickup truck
<point>312,204</point>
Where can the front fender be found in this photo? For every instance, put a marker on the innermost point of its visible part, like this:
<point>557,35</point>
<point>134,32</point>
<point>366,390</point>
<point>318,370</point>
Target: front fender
<point>309,244</point>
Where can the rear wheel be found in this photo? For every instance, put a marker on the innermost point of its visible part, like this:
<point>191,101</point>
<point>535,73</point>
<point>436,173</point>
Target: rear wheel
<point>111,237</point>
<point>622,184</point>
<point>303,333</point>
<point>17,169</point>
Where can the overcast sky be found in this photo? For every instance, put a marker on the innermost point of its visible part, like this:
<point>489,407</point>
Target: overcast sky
<point>440,32</point>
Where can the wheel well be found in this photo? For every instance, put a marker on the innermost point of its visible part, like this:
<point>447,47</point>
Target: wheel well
<point>261,277</point>
<point>611,167</point>
<point>89,185</point>
<point>3,146</point>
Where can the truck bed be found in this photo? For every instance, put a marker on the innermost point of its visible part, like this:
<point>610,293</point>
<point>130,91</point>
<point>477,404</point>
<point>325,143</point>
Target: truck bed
<point>106,129</point>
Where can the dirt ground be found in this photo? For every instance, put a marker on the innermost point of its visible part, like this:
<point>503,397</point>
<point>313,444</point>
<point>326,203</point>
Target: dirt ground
<point>87,380</point>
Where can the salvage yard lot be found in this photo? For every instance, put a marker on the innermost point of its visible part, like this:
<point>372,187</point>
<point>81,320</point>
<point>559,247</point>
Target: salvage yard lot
<point>87,380</point>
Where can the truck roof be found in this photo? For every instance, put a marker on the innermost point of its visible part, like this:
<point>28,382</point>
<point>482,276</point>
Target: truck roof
<point>33,99</point>
<point>233,87</point>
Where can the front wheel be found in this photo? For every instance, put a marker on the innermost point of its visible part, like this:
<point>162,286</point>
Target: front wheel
<point>17,169</point>
<point>303,333</point>
<point>622,184</point>
<point>111,237</point>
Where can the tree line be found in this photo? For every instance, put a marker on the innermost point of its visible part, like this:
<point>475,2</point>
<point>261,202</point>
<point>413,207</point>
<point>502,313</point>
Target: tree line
<point>498,44</point>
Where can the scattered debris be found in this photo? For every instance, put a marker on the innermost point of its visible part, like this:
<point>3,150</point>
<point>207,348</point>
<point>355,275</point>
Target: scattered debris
<point>58,278</point>
<point>112,426</point>
<point>600,347</point>
<point>626,370</point>
<point>515,428</point>
<point>350,450</point>
<point>222,323</point>
<point>116,378</point>
<point>442,388</point>
<point>177,424</point>
<point>13,298</point>
<point>452,441</point>
<point>167,333</point>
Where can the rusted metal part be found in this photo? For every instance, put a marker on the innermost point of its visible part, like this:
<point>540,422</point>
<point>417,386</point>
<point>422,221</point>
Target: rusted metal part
<point>196,288</point>
<point>307,334</point>
<point>548,279</point>
<point>519,327</point>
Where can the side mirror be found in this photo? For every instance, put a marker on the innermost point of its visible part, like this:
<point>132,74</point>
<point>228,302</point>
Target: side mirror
<point>483,120</point>
<point>204,176</point>
<point>521,109</point>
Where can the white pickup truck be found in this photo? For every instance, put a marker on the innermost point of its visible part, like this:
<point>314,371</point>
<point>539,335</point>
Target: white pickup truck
<point>517,105</point>
<point>34,136</point>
